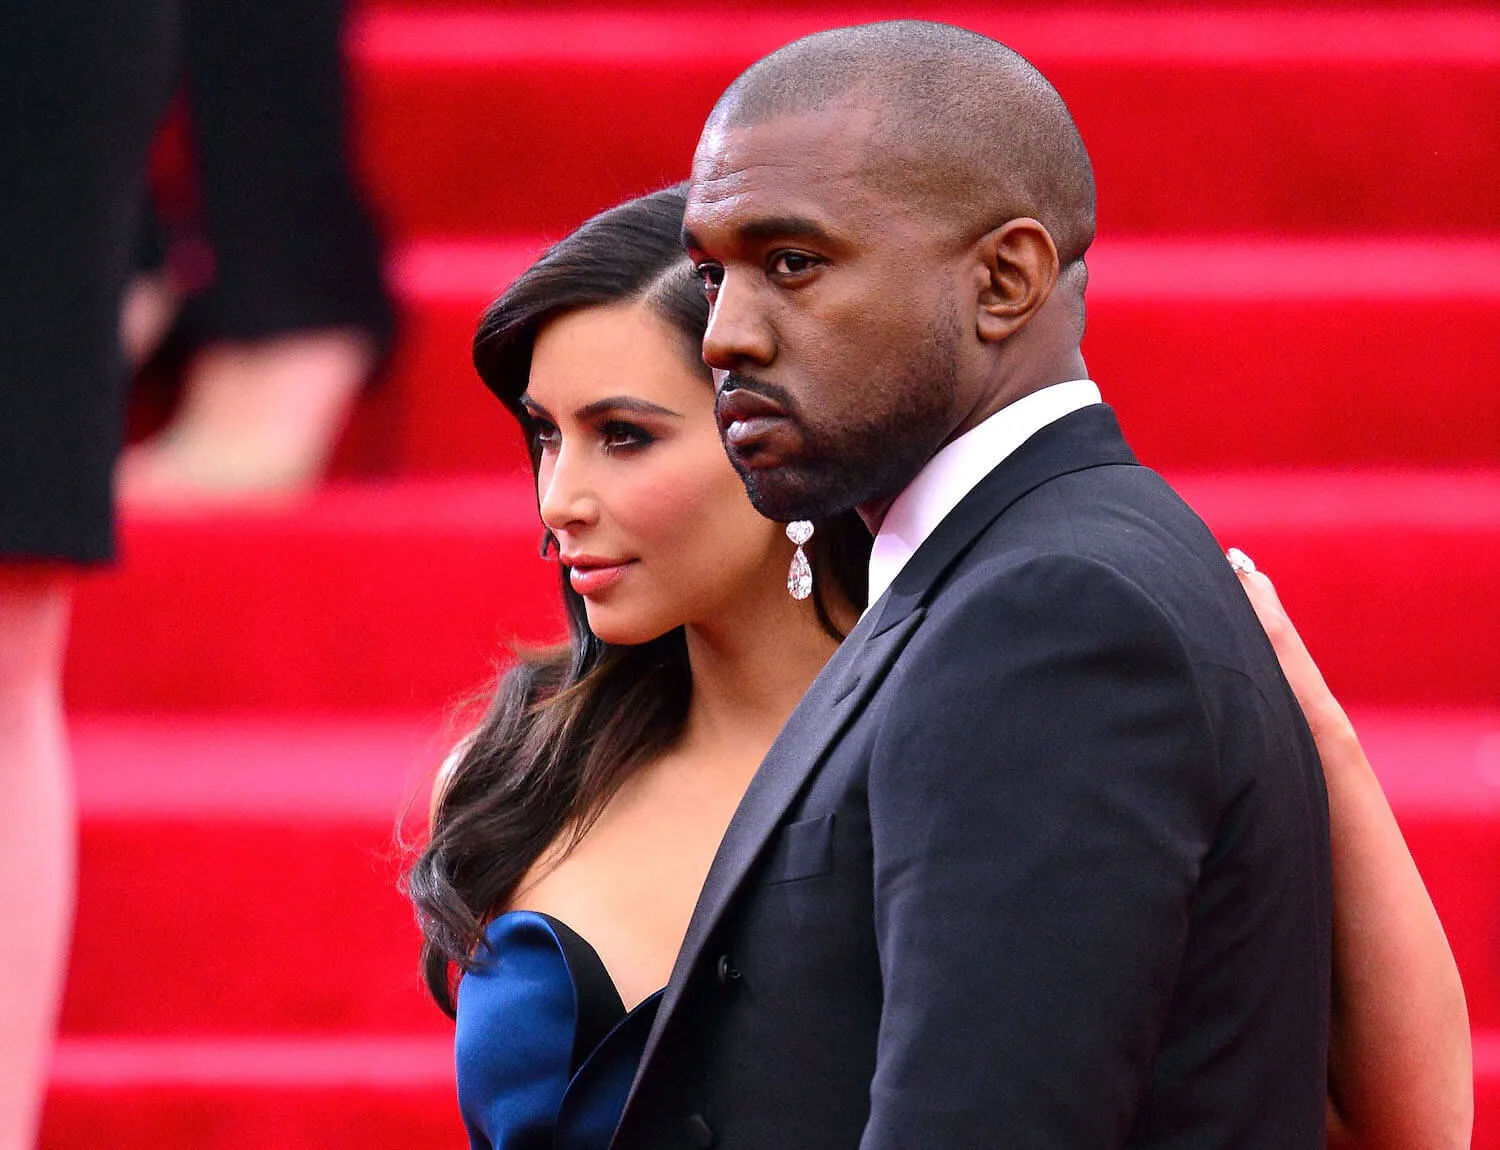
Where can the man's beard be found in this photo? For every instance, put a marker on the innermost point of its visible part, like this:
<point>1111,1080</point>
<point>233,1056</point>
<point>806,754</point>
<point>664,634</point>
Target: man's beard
<point>874,459</point>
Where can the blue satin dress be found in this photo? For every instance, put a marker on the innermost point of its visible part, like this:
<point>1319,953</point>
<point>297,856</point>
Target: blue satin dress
<point>545,1049</point>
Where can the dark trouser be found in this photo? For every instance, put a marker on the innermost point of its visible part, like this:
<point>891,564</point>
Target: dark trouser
<point>82,85</point>
<point>293,244</point>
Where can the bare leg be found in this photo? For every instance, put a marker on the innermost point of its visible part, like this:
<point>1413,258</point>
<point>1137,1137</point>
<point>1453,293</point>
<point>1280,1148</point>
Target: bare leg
<point>146,313</point>
<point>258,420</point>
<point>37,839</point>
<point>296,315</point>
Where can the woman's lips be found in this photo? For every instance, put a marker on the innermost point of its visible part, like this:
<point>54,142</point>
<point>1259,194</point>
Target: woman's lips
<point>594,577</point>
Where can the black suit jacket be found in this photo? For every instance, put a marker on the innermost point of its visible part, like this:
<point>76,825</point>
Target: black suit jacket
<point>1041,860</point>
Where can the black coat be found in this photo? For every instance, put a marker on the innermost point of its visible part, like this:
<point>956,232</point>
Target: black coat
<point>1041,860</point>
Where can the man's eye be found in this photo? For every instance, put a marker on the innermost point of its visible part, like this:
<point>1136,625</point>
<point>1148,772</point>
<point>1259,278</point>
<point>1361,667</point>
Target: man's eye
<point>791,263</point>
<point>619,436</point>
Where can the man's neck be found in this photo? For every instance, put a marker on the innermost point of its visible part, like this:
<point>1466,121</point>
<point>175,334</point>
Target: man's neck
<point>1010,387</point>
<point>1066,366</point>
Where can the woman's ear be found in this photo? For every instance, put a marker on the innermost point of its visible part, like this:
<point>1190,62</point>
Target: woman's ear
<point>1020,269</point>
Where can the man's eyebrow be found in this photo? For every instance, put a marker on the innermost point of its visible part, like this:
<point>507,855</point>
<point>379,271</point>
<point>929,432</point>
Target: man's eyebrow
<point>770,228</point>
<point>782,228</point>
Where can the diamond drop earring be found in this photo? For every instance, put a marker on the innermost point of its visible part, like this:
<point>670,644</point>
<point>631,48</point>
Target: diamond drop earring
<point>799,578</point>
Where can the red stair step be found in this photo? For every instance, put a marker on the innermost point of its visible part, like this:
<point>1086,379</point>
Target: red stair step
<point>431,415</point>
<point>238,875</point>
<point>395,596</point>
<point>482,119</point>
<point>1487,1090</point>
<point>257,857</point>
<point>400,596</point>
<point>1235,352</point>
<point>1377,570</point>
<point>1441,773</point>
<point>156,1097</point>
<point>237,1093</point>
<point>1253,352</point>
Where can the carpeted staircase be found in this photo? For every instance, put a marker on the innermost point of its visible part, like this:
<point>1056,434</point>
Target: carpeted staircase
<point>1295,308</point>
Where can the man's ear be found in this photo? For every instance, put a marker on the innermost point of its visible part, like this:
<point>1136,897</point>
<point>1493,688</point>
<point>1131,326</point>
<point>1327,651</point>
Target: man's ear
<point>1019,271</point>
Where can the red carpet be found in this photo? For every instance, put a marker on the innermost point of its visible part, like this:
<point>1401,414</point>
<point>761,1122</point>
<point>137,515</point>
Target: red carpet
<point>1196,121</point>
<point>300,1021</point>
<point>296,816</point>
<point>399,595</point>
<point>1295,309</point>
<point>1233,352</point>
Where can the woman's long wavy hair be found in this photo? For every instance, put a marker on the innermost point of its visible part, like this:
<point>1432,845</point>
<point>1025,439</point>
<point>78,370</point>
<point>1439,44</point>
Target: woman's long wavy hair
<point>567,725</point>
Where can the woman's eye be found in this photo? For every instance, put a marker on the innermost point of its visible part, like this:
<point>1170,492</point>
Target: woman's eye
<point>543,433</point>
<point>791,263</point>
<point>712,276</point>
<point>620,436</point>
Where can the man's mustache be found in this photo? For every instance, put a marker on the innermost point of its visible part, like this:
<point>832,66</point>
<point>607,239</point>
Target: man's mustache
<point>735,381</point>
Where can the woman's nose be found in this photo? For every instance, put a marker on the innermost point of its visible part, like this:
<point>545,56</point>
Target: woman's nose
<point>738,335</point>
<point>565,495</point>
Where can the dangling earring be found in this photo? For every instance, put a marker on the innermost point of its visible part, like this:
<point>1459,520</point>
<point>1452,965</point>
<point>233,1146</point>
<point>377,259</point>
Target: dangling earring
<point>799,578</point>
<point>549,541</point>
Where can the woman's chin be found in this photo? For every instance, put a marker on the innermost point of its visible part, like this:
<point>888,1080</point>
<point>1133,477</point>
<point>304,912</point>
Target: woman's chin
<point>622,629</point>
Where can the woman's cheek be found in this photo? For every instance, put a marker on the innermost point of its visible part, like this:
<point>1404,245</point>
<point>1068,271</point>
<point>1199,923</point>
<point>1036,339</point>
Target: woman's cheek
<point>667,505</point>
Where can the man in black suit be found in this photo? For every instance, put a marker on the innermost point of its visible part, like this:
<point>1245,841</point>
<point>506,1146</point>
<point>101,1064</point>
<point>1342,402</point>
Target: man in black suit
<point>1042,858</point>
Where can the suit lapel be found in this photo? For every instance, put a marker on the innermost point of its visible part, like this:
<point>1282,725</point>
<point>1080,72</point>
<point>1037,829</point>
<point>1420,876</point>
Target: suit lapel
<point>1086,438</point>
<point>835,697</point>
<point>1089,437</point>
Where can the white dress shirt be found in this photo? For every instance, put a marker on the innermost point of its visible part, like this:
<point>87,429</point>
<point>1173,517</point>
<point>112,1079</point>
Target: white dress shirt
<point>957,469</point>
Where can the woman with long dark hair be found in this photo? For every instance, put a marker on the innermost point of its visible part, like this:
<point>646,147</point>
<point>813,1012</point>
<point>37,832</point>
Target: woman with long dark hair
<point>572,830</point>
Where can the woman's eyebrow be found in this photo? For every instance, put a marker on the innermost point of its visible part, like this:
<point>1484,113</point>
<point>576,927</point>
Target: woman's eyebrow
<point>624,403</point>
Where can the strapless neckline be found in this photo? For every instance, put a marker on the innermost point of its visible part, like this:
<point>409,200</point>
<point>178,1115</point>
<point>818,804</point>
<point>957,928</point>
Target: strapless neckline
<point>545,1049</point>
<point>583,960</point>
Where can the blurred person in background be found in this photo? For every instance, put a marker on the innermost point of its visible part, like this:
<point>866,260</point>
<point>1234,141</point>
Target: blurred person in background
<point>287,329</point>
<point>81,89</point>
<point>287,317</point>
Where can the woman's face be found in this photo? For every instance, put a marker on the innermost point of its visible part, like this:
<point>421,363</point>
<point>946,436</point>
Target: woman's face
<point>651,519</point>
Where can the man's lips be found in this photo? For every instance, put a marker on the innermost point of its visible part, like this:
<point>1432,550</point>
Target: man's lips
<point>758,430</point>
<point>590,575</point>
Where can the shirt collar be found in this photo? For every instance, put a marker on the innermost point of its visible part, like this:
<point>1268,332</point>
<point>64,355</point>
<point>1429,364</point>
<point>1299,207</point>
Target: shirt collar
<point>957,469</point>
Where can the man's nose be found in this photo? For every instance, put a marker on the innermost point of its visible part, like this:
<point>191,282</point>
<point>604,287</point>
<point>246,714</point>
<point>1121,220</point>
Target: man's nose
<point>565,492</point>
<point>738,334</point>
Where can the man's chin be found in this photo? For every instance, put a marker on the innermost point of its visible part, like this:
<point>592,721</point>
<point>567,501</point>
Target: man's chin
<point>785,493</point>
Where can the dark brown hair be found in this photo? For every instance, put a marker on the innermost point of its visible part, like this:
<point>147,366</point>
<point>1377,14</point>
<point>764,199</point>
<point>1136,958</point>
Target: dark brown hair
<point>568,725</point>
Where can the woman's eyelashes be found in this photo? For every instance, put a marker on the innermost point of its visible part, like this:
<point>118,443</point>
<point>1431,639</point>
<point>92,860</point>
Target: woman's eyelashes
<point>712,275</point>
<point>543,433</point>
<point>612,435</point>
<point>617,435</point>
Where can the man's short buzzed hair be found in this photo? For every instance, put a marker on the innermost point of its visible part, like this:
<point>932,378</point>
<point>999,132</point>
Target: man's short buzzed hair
<point>966,121</point>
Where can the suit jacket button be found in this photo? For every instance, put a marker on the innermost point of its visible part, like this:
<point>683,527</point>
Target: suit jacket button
<point>700,1131</point>
<point>728,972</point>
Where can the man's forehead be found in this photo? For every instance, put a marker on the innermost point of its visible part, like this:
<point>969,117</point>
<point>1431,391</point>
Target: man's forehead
<point>806,166</point>
<point>828,142</point>
<point>749,210</point>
